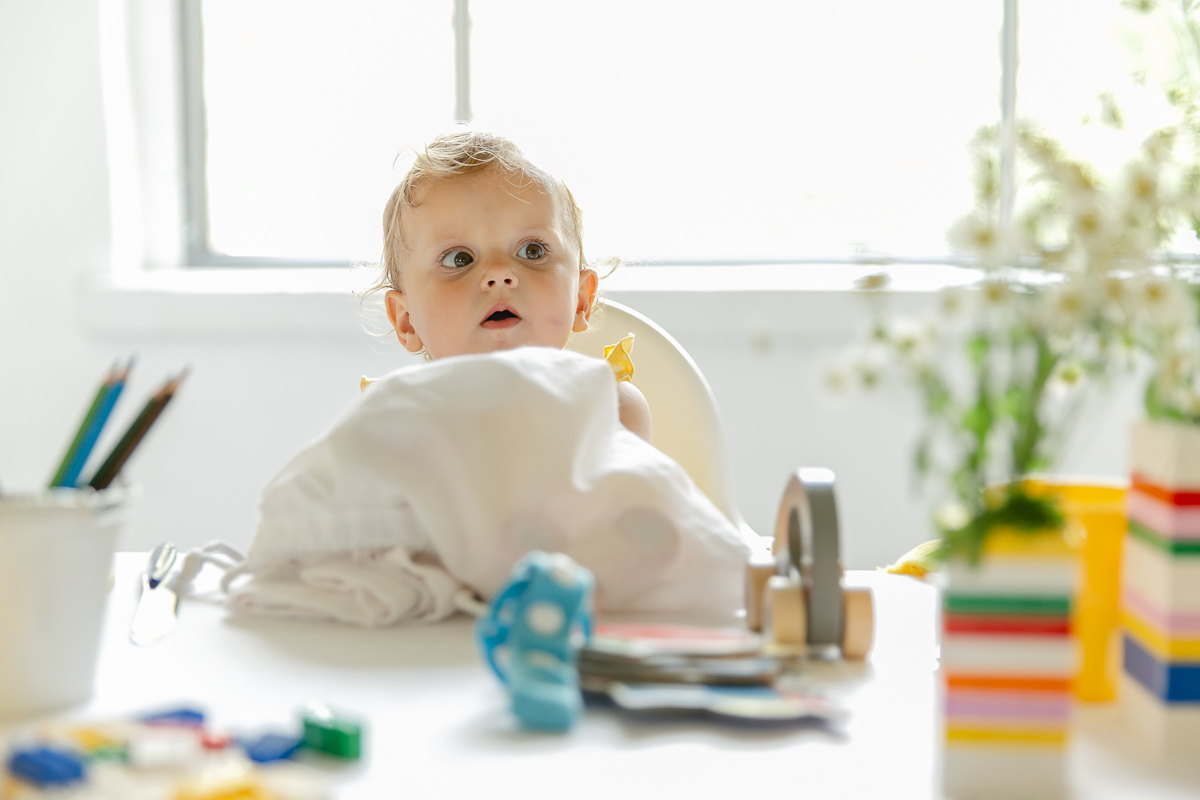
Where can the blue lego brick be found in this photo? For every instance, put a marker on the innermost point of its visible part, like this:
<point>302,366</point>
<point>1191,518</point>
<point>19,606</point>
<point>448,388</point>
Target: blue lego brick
<point>272,747</point>
<point>191,717</point>
<point>1170,681</point>
<point>46,766</point>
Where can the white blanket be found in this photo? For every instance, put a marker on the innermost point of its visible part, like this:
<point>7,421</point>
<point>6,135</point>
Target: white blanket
<point>422,496</point>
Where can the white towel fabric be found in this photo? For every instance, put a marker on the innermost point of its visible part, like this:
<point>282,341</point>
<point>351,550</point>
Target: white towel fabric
<point>421,497</point>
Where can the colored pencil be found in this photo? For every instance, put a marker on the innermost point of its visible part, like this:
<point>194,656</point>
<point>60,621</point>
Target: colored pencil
<point>133,436</point>
<point>90,427</point>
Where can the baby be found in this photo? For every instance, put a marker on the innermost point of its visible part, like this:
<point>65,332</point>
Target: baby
<point>483,251</point>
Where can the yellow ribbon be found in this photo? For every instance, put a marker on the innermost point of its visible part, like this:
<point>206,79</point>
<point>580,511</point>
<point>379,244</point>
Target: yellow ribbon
<point>617,356</point>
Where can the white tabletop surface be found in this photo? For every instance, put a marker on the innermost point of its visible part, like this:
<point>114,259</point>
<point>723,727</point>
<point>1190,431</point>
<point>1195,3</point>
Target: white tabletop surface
<point>437,722</point>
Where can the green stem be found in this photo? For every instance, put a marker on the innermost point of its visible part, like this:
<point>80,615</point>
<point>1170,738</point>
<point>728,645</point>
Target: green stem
<point>1029,433</point>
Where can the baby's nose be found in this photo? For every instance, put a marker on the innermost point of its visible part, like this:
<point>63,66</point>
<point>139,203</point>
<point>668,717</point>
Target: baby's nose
<point>499,273</point>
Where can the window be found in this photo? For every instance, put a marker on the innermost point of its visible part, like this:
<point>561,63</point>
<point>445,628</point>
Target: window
<point>720,132</point>
<point>690,133</point>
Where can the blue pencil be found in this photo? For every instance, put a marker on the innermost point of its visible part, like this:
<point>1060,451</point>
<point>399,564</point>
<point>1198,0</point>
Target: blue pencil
<point>95,425</point>
<point>97,399</point>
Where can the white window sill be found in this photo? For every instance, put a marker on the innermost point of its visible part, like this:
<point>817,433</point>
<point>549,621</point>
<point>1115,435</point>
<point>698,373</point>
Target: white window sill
<point>802,299</point>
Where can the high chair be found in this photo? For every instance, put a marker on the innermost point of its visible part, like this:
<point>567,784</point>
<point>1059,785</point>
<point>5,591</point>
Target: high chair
<point>794,591</point>
<point>683,410</point>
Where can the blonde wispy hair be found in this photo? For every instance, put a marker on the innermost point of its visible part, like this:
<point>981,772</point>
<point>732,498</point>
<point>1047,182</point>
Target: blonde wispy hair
<point>465,152</point>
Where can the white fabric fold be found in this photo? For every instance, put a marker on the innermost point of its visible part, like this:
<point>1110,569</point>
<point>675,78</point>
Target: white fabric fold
<point>426,491</point>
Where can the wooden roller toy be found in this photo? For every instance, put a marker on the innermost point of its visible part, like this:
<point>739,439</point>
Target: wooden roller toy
<point>798,599</point>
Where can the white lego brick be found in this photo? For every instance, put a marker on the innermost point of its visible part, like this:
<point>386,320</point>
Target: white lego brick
<point>1166,454</point>
<point>1014,576</point>
<point>1160,729</point>
<point>1169,583</point>
<point>983,772</point>
<point>1041,656</point>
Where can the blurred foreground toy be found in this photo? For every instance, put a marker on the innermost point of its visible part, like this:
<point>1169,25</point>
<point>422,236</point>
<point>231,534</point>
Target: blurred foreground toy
<point>1160,589</point>
<point>46,766</point>
<point>797,599</point>
<point>174,754</point>
<point>331,734</point>
<point>531,636</point>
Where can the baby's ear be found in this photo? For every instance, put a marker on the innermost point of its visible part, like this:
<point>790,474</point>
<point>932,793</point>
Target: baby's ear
<point>588,283</point>
<point>397,311</point>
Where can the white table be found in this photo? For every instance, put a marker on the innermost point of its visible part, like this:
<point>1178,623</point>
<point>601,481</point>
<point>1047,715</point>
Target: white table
<point>438,723</point>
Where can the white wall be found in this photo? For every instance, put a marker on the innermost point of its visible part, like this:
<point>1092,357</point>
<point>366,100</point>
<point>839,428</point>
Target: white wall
<point>271,369</point>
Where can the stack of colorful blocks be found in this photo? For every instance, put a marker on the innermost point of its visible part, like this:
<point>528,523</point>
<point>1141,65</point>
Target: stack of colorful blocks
<point>1160,587</point>
<point>1008,660</point>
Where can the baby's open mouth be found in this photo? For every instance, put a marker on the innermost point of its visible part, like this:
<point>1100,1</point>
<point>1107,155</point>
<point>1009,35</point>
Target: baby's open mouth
<point>501,319</point>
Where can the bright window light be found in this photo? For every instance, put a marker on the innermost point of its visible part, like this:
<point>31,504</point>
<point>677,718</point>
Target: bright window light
<point>690,132</point>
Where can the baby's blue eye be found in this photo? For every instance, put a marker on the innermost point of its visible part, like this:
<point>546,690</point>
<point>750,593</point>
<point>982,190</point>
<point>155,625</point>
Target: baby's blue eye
<point>532,251</point>
<point>457,259</point>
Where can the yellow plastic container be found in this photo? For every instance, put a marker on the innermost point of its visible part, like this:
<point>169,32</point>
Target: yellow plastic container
<point>1097,507</point>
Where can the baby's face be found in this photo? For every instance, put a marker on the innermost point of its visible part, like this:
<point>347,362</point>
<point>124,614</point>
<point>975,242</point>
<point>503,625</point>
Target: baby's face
<point>487,266</point>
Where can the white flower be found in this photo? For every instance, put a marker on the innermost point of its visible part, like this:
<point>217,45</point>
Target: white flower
<point>1065,306</point>
<point>1067,379</point>
<point>1164,302</point>
<point>1086,218</point>
<point>836,379</point>
<point>951,516</point>
<point>1141,187</point>
<point>951,301</point>
<point>867,365</point>
<point>995,294</point>
<point>1110,112</point>
<point>1158,145</point>
<point>1116,296</point>
<point>976,233</point>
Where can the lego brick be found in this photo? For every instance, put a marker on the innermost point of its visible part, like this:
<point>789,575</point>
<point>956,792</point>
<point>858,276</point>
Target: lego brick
<point>1165,453</point>
<point>1174,547</point>
<point>1009,544</point>
<point>184,716</point>
<point>332,734</point>
<point>1175,496</point>
<point>1020,624</point>
<point>1171,622</point>
<point>46,766</point>
<point>1162,644</point>
<point>1168,583</point>
<point>1008,708</point>
<point>1020,683</point>
<point>1162,728</point>
<point>965,601</point>
<point>990,733</point>
<point>1014,576</point>
<point>271,747</point>
<point>1173,522</point>
<point>1173,682</point>
<point>974,770</point>
<point>1009,655</point>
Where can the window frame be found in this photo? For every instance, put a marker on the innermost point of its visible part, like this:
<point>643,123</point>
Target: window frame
<point>197,251</point>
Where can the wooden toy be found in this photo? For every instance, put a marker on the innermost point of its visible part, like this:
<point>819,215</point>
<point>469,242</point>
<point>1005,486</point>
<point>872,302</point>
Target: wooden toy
<point>1160,588</point>
<point>797,598</point>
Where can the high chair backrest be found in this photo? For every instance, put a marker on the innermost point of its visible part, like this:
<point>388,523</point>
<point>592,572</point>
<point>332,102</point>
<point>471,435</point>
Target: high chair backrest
<point>683,411</point>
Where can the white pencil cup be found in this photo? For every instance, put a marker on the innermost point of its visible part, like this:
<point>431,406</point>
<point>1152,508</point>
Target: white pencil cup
<point>56,553</point>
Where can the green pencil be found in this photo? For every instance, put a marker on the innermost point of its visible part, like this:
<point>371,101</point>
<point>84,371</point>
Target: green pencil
<point>110,379</point>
